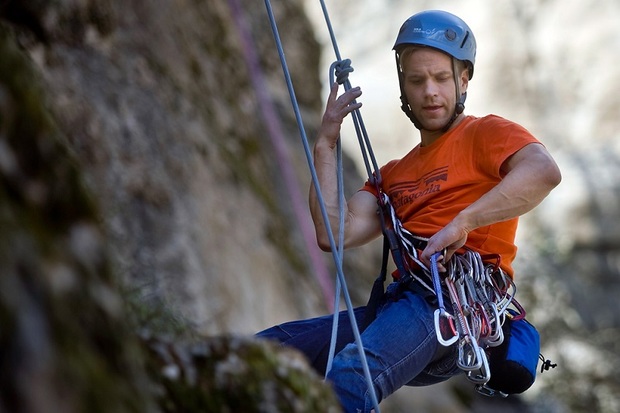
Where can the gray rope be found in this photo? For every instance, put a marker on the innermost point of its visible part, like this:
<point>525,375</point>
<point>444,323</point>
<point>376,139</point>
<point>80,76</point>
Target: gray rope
<point>360,129</point>
<point>336,250</point>
<point>341,72</point>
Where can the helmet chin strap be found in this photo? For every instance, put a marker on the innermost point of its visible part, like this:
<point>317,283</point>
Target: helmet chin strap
<point>459,107</point>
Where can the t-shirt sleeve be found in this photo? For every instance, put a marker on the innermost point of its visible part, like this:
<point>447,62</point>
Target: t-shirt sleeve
<point>370,186</point>
<point>502,138</point>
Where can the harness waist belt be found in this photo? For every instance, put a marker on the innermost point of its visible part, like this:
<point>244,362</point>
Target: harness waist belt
<point>418,243</point>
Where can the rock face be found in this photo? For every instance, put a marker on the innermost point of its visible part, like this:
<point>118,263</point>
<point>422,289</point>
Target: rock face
<point>138,194</point>
<point>157,107</point>
<point>141,191</point>
<point>235,375</point>
<point>160,110</point>
<point>64,344</point>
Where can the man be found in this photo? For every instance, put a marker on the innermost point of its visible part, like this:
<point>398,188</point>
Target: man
<point>465,184</point>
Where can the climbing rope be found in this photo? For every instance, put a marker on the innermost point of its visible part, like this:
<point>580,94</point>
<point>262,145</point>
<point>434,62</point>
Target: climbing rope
<point>337,251</point>
<point>341,74</point>
<point>343,68</point>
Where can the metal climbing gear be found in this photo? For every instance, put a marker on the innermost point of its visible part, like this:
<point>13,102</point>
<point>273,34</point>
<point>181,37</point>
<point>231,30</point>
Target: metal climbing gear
<point>446,331</point>
<point>480,305</point>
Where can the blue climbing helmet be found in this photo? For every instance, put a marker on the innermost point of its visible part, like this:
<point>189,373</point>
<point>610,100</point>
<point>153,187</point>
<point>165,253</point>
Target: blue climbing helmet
<point>442,31</point>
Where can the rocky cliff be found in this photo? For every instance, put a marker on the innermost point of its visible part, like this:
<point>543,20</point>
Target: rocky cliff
<point>146,209</point>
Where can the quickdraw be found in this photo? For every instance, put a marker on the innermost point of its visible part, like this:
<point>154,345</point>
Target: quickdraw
<point>474,297</point>
<point>480,294</point>
<point>444,321</point>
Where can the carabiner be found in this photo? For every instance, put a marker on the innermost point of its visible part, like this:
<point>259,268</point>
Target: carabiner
<point>441,313</point>
<point>483,374</point>
<point>469,359</point>
<point>447,327</point>
<point>489,392</point>
<point>497,333</point>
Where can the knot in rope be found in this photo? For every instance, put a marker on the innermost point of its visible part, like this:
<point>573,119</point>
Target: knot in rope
<point>342,68</point>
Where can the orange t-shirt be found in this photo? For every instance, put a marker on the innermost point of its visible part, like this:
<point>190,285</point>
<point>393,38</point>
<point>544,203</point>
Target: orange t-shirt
<point>432,184</point>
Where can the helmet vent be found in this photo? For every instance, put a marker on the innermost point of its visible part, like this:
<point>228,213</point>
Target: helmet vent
<point>464,39</point>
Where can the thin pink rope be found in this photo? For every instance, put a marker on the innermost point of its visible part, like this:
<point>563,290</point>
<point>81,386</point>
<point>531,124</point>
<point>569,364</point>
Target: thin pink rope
<point>278,142</point>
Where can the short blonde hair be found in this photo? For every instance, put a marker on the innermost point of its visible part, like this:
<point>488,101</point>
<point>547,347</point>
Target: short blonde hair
<point>405,52</point>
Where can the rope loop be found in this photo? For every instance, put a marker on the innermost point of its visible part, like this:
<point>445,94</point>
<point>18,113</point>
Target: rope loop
<point>342,68</point>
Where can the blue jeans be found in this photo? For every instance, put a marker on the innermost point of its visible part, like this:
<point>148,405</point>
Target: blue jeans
<point>400,345</point>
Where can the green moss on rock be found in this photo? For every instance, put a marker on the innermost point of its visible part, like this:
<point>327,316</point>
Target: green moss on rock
<point>232,374</point>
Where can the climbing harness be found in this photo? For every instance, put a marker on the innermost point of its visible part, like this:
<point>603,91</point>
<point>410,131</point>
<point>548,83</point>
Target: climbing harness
<point>481,295</point>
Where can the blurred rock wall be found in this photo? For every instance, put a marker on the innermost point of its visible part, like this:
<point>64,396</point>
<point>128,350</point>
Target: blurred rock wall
<point>158,108</point>
<point>145,159</point>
